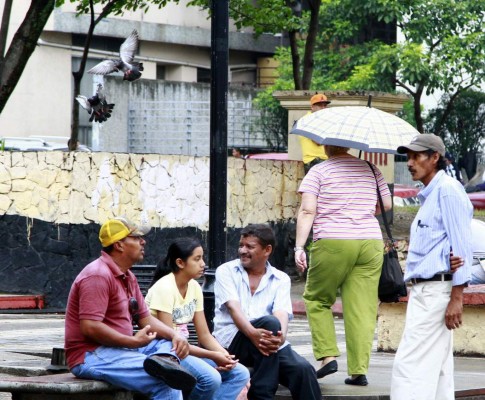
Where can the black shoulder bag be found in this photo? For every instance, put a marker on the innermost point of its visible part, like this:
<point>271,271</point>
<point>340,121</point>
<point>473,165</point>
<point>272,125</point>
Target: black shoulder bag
<point>391,283</point>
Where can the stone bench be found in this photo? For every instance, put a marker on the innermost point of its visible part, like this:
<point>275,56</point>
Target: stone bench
<point>469,339</point>
<point>60,386</point>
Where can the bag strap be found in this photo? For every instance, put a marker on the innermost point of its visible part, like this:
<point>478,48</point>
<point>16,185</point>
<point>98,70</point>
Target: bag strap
<point>381,204</point>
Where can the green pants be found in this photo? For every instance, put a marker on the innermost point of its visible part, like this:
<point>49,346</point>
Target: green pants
<point>354,266</point>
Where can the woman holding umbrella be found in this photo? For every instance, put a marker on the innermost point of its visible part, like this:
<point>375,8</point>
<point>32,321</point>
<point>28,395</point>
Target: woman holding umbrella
<point>339,200</point>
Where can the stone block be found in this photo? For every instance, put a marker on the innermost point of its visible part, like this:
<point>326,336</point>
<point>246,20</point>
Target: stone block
<point>469,339</point>
<point>18,172</point>
<point>43,178</point>
<point>5,204</point>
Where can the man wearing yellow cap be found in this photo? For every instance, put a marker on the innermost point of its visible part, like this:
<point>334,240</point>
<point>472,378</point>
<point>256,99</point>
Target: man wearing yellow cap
<point>104,302</point>
<point>312,152</point>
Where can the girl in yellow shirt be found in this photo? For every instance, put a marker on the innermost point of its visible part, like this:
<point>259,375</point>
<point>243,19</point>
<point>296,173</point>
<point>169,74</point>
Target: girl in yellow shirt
<point>175,298</point>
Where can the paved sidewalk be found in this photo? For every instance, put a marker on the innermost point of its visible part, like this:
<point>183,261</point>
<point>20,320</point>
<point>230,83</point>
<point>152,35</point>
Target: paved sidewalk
<point>469,371</point>
<point>26,342</point>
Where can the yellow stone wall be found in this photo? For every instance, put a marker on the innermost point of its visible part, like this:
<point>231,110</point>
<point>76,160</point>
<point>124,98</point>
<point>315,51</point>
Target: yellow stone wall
<point>159,190</point>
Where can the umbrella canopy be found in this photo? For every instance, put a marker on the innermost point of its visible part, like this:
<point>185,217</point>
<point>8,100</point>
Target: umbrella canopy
<point>363,128</point>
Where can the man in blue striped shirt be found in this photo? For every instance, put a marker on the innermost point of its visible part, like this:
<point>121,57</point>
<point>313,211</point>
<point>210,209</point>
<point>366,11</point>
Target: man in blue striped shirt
<point>423,366</point>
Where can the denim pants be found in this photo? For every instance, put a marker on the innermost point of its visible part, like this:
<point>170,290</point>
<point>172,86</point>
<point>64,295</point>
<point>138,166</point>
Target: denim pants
<point>212,384</point>
<point>123,367</point>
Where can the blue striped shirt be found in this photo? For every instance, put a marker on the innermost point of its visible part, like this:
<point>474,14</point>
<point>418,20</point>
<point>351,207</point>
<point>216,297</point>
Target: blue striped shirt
<point>442,223</point>
<point>232,283</point>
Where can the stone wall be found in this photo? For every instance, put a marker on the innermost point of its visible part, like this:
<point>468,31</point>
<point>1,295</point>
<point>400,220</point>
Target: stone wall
<point>52,203</point>
<point>467,341</point>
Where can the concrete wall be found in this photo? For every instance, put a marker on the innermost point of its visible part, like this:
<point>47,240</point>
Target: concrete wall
<point>467,340</point>
<point>163,114</point>
<point>52,204</point>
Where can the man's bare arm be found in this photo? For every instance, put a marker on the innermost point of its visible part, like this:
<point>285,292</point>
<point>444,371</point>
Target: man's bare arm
<point>454,311</point>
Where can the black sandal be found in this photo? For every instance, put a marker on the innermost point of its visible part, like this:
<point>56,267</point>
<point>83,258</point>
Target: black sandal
<point>329,368</point>
<point>360,380</point>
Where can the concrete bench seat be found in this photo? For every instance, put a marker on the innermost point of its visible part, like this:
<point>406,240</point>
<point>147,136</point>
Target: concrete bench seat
<point>469,339</point>
<point>60,386</point>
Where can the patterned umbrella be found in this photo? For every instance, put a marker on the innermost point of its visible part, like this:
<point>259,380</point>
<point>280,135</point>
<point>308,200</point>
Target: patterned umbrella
<point>363,128</point>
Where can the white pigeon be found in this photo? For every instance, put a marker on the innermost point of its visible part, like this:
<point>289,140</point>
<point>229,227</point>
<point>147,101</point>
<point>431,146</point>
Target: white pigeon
<point>131,69</point>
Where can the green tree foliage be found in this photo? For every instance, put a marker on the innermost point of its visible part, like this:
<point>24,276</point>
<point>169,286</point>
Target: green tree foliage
<point>463,130</point>
<point>298,19</point>
<point>443,49</point>
<point>338,55</point>
<point>115,7</point>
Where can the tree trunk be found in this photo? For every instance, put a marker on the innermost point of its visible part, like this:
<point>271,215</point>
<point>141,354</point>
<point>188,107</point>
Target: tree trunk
<point>417,110</point>
<point>7,8</point>
<point>22,46</point>
<point>75,112</point>
<point>308,62</point>
<point>295,59</point>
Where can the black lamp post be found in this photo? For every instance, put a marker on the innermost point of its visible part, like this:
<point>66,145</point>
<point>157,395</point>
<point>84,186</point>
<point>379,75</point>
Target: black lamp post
<point>218,150</point>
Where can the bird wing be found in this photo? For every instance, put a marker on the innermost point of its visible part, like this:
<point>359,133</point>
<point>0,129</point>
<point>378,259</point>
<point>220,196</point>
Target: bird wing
<point>129,47</point>
<point>104,67</point>
<point>83,101</point>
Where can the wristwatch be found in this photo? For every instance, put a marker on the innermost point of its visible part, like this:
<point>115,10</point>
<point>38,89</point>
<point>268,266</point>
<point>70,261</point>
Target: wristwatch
<point>298,248</point>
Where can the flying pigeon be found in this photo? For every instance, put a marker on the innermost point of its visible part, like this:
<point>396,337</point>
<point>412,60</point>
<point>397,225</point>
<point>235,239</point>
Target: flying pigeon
<point>97,106</point>
<point>125,64</point>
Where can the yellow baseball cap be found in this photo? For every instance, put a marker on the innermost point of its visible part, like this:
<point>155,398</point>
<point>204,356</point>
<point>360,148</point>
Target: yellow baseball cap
<point>319,98</point>
<point>116,229</point>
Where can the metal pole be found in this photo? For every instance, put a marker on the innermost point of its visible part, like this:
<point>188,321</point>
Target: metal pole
<point>218,132</point>
<point>218,149</point>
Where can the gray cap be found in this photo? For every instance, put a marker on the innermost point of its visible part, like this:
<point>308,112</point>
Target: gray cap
<point>423,142</point>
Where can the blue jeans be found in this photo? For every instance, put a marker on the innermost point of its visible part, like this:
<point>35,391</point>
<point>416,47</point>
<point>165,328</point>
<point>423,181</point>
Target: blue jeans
<point>212,384</point>
<point>123,368</point>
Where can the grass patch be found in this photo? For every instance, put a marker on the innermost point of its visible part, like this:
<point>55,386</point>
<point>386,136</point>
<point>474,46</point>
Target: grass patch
<point>406,209</point>
<point>414,209</point>
<point>479,213</point>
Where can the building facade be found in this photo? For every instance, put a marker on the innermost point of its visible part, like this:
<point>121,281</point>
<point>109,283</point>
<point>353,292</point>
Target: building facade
<point>175,47</point>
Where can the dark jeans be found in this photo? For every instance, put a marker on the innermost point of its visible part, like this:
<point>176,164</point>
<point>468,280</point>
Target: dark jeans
<point>285,367</point>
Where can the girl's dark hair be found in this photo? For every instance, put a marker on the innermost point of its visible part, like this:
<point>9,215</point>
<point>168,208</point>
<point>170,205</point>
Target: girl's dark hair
<point>180,248</point>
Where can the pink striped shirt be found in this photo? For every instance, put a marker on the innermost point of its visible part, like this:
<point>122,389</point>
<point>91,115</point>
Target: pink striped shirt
<point>346,198</point>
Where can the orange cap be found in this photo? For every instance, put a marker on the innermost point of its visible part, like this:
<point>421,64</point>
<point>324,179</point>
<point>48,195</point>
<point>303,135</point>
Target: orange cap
<point>319,98</point>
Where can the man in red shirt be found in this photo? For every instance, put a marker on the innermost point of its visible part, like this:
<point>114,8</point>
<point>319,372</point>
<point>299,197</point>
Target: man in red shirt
<point>103,303</point>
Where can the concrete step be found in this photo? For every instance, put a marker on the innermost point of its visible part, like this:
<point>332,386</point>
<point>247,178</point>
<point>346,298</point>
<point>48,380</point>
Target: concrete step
<point>21,301</point>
